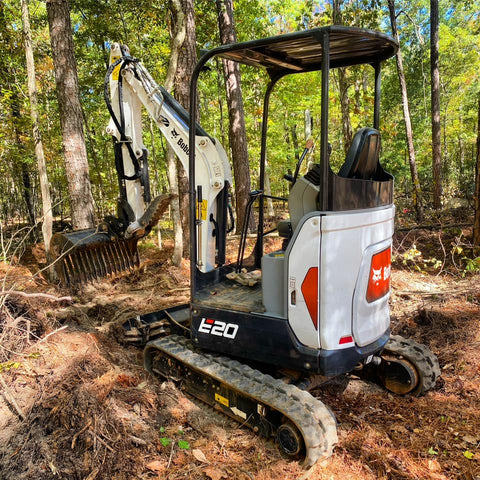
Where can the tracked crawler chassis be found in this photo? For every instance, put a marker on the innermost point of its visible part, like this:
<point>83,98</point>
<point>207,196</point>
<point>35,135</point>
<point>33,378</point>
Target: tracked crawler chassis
<point>321,308</point>
<point>282,409</point>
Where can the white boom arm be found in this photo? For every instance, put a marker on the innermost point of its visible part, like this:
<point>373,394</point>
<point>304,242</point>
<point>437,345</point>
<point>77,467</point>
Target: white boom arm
<point>212,168</point>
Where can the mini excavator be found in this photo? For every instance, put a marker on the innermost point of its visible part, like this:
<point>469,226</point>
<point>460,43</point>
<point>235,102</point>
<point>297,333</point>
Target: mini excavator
<point>320,309</point>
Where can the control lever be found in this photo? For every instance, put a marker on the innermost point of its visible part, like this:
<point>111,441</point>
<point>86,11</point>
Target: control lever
<point>308,147</point>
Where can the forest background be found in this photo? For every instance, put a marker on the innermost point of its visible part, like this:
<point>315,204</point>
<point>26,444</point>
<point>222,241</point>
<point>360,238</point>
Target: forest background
<point>146,27</point>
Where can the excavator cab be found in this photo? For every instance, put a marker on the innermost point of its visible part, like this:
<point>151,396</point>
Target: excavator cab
<point>313,310</point>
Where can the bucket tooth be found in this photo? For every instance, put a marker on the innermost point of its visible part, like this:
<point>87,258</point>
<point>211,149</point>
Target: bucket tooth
<point>83,266</point>
<point>77,267</point>
<point>86,270</point>
<point>133,252</point>
<point>104,263</point>
<point>98,271</point>
<point>62,271</point>
<point>128,255</point>
<point>119,255</point>
<point>106,259</point>
<point>69,268</point>
<point>125,256</point>
<point>101,268</point>
<point>96,263</point>
<point>90,265</point>
<point>113,257</point>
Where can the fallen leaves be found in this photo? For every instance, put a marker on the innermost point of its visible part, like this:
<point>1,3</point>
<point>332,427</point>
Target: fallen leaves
<point>214,473</point>
<point>156,466</point>
<point>468,454</point>
<point>471,439</point>
<point>199,455</point>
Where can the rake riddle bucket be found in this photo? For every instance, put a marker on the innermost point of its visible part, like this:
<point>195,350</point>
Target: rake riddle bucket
<point>86,255</point>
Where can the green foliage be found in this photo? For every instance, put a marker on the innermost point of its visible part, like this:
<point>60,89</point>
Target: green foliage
<point>8,366</point>
<point>472,265</point>
<point>165,441</point>
<point>183,444</point>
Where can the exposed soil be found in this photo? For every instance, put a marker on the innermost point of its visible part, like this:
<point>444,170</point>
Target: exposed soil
<point>91,412</point>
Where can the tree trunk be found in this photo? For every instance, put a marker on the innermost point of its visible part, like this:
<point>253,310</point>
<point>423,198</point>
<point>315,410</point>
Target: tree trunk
<point>268,191</point>
<point>237,131</point>
<point>293,133</point>
<point>416,192</point>
<point>476,222</point>
<point>343,87</point>
<point>220,90</point>
<point>37,137</point>
<point>96,163</point>
<point>76,163</point>
<point>179,31</point>
<point>435,109</point>
<point>187,59</point>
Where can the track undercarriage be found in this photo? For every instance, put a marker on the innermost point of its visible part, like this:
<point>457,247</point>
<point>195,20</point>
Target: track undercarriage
<point>302,426</point>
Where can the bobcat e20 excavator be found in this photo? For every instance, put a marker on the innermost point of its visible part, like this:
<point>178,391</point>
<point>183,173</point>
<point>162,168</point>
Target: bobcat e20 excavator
<point>321,308</point>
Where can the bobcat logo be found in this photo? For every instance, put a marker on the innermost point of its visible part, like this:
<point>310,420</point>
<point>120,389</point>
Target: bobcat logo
<point>377,275</point>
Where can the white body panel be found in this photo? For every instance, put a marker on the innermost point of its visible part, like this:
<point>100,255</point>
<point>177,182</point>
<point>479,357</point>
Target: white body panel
<point>342,245</point>
<point>369,318</point>
<point>303,254</point>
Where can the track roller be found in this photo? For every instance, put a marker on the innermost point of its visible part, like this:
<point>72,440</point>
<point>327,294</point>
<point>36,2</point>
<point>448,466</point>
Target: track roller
<point>289,440</point>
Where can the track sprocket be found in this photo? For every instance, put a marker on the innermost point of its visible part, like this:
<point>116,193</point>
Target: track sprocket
<point>419,356</point>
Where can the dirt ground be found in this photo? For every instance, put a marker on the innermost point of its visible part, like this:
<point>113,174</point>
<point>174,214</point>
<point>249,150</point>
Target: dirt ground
<point>75,402</point>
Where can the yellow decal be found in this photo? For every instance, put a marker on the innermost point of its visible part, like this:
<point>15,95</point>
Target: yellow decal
<point>116,70</point>
<point>222,400</point>
<point>202,210</point>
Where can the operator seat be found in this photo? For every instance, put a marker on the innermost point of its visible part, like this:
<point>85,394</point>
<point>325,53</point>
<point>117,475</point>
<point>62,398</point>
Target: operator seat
<point>363,154</point>
<point>362,162</point>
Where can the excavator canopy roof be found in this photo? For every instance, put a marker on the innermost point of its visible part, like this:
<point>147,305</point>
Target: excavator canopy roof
<point>302,51</point>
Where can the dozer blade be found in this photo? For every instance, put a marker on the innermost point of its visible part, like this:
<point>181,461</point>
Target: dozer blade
<point>85,255</point>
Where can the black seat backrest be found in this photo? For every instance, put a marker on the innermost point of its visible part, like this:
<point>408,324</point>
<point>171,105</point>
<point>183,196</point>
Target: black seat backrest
<point>362,157</point>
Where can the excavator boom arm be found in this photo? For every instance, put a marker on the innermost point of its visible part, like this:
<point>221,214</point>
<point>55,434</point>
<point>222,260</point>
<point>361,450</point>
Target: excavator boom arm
<point>131,86</point>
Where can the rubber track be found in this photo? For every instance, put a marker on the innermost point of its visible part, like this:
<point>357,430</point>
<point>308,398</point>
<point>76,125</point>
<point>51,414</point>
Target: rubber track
<point>422,358</point>
<point>313,419</point>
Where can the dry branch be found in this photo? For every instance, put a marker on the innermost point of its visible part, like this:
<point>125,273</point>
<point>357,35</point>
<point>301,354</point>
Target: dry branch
<point>103,442</point>
<point>11,398</point>
<point>52,333</point>
<point>434,226</point>
<point>46,296</point>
